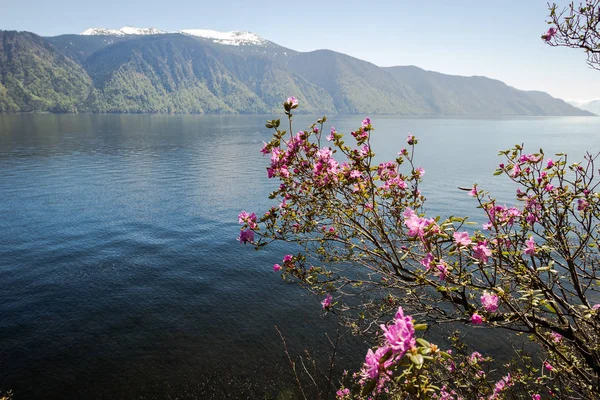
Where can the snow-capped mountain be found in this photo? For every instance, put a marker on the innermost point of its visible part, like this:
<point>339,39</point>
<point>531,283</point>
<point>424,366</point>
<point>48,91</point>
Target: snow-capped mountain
<point>234,38</point>
<point>126,30</point>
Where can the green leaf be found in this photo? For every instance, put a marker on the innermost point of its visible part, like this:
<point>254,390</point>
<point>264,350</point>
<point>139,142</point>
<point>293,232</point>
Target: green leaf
<point>417,359</point>
<point>420,327</point>
<point>550,308</point>
<point>368,388</point>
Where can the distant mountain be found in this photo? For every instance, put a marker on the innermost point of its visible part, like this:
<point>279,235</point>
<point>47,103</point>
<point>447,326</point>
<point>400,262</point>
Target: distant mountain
<point>590,105</point>
<point>34,76</point>
<point>477,95</point>
<point>179,74</point>
<point>147,70</point>
<point>357,86</point>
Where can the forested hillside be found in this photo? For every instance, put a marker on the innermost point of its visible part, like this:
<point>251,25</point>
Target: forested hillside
<point>185,73</point>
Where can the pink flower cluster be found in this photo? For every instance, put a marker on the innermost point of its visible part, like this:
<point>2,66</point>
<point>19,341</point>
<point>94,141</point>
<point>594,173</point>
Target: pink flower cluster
<point>417,226</point>
<point>489,301</point>
<point>481,251</point>
<point>343,393</point>
<point>247,235</point>
<point>503,214</point>
<point>504,383</point>
<point>326,167</point>
<point>388,173</point>
<point>399,337</point>
<point>288,262</point>
<point>249,219</point>
<point>327,302</point>
<point>530,247</point>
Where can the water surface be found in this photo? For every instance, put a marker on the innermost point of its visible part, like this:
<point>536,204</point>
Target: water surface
<point>120,271</point>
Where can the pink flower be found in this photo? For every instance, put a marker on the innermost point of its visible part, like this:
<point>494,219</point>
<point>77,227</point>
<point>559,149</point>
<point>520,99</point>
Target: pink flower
<point>515,171</point>
<point>331,135</point>
<point>410,139</point>
<point>409,213</point>
<point>550,163</point>
<point>355,174</point>
<point>242,217</point>
<point>473,191</point>
<point>249,219</point>
<point>549,187</point>
<point>292,101</point>
<point>530,249</point>
<point>501,385</point>
<point>476,319</point>
<point>265,149</point>
<point>536,397</point>
<point>400,336</point>
<point>365,150</point>
<point>373,364</point>
<point>427,261</point>
<point>596,306</point>
<point>489,301</point>
<point>287,258</point>
<point>443,270</point>
<point>420,172</point>
<point>246,236</point>
<point>548,366</point>
<point>462,238</point>
<point>326,303</point>
<point>487,226</point>
<point>475,357</point>
<point>482,252</point>
<point>416,225</point>
<point>276,267</point>
<point>556,337</point>
<point>366,122</point>
<point>550,34</point>
<point>582,204</point>
<point>284,172</point>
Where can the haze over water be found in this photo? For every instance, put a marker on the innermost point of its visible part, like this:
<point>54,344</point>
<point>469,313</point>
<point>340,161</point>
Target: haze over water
<point>121,274</point>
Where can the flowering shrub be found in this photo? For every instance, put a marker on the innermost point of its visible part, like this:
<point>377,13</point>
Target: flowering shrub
<point>531,268</point>
<point>576,26</point>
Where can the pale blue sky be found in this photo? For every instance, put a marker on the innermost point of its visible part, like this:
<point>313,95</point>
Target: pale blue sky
<point>499,39</point>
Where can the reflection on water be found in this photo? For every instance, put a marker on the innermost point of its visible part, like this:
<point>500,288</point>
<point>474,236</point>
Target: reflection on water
<point>121,274</point>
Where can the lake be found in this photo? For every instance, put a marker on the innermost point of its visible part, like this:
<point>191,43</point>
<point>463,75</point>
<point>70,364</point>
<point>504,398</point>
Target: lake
<point>120,272</point>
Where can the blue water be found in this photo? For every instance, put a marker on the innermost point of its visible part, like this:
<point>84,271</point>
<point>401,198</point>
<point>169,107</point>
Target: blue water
<point>120,273</point>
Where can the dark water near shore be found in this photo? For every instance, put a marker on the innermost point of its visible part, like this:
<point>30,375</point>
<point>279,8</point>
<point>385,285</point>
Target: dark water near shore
<point>120,273</point>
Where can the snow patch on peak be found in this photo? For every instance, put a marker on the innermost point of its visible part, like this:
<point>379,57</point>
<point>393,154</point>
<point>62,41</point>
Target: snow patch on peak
<point>234,38</point>
<point>130,30</point>
<point>102,31</point>
<point>126,30</point>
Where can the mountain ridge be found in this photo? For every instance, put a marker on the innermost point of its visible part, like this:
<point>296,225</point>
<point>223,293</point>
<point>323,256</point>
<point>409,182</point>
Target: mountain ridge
<point>204,71</point>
